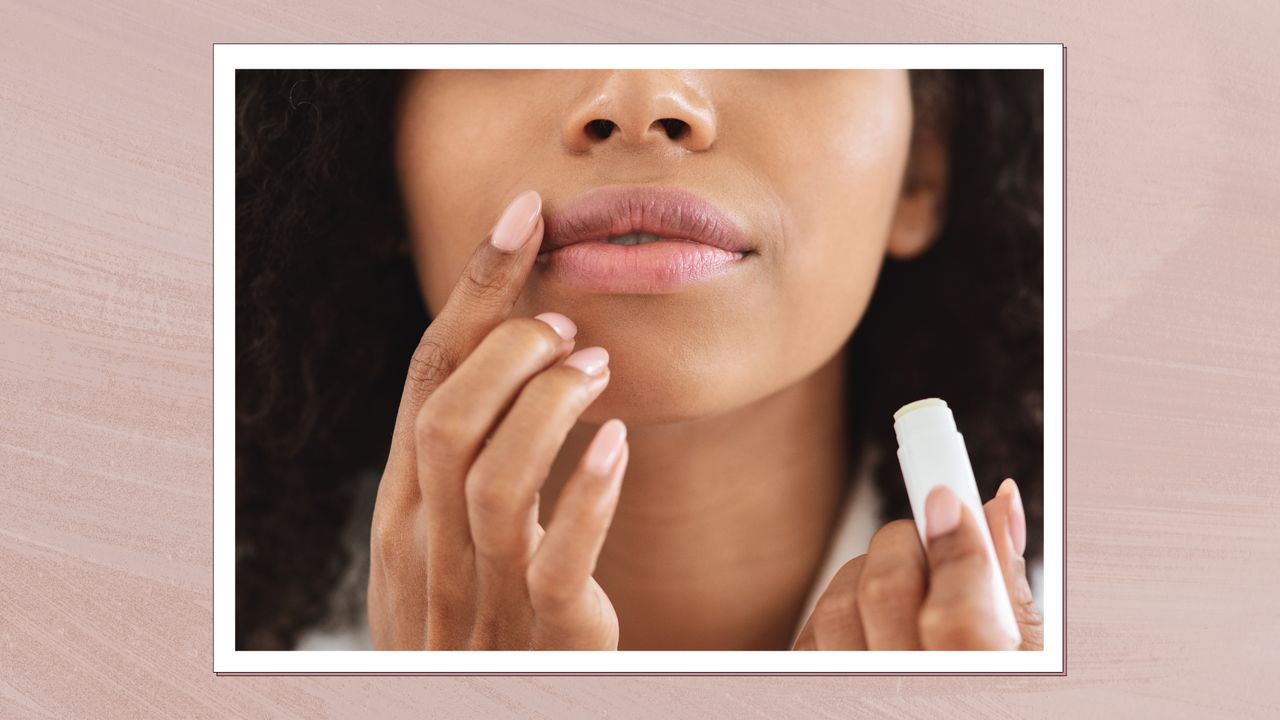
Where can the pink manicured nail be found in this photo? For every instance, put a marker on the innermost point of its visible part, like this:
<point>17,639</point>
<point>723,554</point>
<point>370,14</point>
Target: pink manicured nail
<point>941,512</point>
<point>563,326</point>
<point>1017,515</point>
<point>604,448</point>
<point>592,360</point>
<point>513,228</point>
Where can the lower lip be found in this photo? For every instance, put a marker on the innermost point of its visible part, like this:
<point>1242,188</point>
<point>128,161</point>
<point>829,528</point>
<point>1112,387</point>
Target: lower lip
<point>649,268</point>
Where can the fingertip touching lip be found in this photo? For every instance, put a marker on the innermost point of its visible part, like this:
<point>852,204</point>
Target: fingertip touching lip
<point>670,213</point>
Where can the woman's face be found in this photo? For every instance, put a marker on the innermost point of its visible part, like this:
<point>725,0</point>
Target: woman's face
<point>808,164</point>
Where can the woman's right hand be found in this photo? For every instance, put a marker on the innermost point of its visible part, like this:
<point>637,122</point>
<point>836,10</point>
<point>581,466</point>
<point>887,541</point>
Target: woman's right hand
<point>458,559</point>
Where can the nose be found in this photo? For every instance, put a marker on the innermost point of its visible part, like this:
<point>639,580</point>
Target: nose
<point>641,109</point>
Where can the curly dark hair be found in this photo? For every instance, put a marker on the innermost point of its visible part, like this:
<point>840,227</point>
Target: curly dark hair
<point>328,312</point>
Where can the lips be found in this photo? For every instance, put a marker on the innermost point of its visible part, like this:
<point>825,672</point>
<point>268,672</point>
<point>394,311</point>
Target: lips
<point>670,213</point>
<point>695,240</point>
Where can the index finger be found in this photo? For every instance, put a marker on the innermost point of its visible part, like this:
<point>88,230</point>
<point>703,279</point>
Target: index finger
<point>486,291</point>
<point>836,623</point>
<point>892,587</point>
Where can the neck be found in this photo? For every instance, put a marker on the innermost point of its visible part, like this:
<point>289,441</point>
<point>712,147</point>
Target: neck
<point>723,521</point>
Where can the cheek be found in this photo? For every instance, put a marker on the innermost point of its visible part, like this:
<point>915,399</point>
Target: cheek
<point>452,175</point>
<point>842,184</point>
<point>439,265</point>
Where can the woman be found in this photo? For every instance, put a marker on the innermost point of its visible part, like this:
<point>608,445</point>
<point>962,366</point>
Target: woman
<point>671,315</point>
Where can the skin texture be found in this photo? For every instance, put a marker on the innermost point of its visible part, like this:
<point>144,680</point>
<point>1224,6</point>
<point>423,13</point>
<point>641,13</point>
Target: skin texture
<point>816,191</point>
<point>730,390</point>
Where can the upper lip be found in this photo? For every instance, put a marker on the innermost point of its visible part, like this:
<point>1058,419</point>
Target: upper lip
<point>668,212</point>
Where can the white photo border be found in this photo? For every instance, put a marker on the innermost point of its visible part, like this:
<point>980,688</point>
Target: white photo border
<point>229,57</point>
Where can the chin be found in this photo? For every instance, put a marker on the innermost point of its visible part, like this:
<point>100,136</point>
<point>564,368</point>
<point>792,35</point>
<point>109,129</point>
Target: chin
<point>672,358</point>
<point>636,406</point>
<point>673,395</point>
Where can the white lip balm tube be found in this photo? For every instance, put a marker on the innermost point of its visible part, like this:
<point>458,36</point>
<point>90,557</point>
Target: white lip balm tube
<point>931,452</point>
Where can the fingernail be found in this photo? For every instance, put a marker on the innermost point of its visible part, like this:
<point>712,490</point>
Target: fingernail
<point>513,228</point>
<point>1006,487</point>
<point>1017,516</point>
<point>941,512</point>
<point>563,326</point>
<point>604,448</point>
<point>592,360</point>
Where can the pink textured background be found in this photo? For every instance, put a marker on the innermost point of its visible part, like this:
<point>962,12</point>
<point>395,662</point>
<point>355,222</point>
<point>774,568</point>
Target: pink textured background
<point>106,367</point>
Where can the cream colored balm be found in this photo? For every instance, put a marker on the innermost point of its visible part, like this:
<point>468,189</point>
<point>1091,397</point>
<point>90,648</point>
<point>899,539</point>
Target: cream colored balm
<point>931,452</point>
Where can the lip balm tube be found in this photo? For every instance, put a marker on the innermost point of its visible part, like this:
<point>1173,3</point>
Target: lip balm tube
<point>931,452</point>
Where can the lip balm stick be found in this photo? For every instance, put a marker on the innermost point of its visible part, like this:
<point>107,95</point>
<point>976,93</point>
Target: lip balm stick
<point>931,452</point>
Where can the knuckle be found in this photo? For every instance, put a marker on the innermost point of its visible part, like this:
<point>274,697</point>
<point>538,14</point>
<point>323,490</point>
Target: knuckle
<point>887,586</point>
<point>835,608</point>
<point>527,336</point>
<point>1020,592</point>
<point>446,420</point>
<point>436,428</point>
<point>547,589</point>
<point>557,388</point>
<point>934,625</point>
<point>953,626</point>
<point>485,495</point>
<point>391,546</point>
<point>383,535</point>
<point>1027,613</point>
<point>942,627</point>
<point>1018,565</point>
<point>1032,631</point>
<point>485,282</point>
<point>432,360</point>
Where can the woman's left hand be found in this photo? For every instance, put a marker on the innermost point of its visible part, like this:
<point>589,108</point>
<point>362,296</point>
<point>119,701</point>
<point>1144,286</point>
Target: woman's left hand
<point>898,597</point>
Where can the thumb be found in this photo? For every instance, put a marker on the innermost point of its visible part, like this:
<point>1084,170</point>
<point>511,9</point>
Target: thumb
<point>959,612</point>
<point>952,536</point>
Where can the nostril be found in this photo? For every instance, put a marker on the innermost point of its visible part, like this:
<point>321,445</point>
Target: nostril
<point>675,128</point>
<point>600,129</point>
